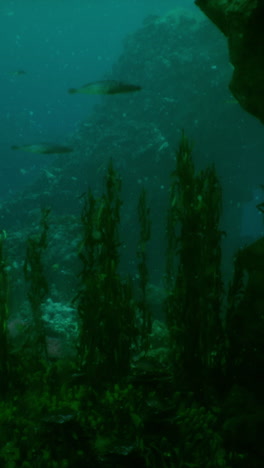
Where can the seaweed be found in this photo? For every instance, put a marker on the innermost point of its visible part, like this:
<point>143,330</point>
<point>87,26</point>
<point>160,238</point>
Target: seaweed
<point>193,269</point>
<point>105,306</point>
<point>37,283</point>
<point>4,313</point>
<point>145,232</point>
<point>114,403</point>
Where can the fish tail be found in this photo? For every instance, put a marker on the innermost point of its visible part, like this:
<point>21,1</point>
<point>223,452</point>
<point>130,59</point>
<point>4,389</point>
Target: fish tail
<point>14,147</point>
<point>72,90</point>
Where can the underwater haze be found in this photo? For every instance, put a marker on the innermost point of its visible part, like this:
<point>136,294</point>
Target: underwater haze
<point>46,48</point>
<point>131,241</point>
<point>50,47</point>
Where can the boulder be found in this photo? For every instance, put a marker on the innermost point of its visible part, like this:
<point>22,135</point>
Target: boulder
<point>242,22</point>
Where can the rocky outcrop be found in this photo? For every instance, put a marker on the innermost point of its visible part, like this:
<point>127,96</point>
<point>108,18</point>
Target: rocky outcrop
<point>242,22</point>
<point>182,64</point>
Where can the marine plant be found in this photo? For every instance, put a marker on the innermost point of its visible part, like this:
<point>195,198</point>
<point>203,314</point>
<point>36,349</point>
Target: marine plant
<point>37,282</point>
<point>145,232</point>
<point>105,306</point>
<point>102,409</point>
<point>4,356</point>
<point>244,318</point>
<point>193,270</point>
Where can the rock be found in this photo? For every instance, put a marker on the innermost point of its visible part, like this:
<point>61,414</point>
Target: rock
<point>242,23</point>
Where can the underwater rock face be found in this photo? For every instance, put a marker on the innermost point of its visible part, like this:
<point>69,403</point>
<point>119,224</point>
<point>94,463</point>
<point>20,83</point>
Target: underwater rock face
<point>242,23</point>
<point>181,61</point>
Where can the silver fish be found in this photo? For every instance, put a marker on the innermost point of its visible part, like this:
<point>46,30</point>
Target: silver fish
<point>105,87</point>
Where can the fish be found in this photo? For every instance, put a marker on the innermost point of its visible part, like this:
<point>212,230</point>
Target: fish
<point>19,72</point>
<point>105,87</point>
<point>43,148</point>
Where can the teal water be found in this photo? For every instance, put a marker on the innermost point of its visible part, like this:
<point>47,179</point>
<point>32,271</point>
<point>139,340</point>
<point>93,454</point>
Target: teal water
<point>62,44</point>
<point>58,44</point>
